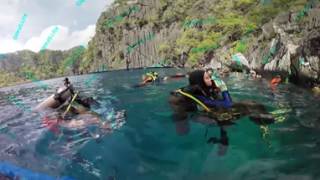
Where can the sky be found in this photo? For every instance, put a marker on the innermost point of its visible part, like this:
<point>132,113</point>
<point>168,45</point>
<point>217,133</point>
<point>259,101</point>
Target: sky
<point>76,23</point>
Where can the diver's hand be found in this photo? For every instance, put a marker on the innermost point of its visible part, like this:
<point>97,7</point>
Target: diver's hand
<point>220,84</point>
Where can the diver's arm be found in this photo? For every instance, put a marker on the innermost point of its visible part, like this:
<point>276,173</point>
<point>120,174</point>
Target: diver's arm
<point>148,79</point>
<point>226,102</point>
<point>145,81</point>
<point>70,87</point>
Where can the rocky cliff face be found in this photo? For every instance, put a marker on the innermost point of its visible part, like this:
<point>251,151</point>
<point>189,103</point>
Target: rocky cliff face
<point>281,35</point>
<point>289,42</point>
<point>13,61</point>
<point>111,42</point>
<point>284,44</point>
<point>297,46</point>
<point>49,64</point>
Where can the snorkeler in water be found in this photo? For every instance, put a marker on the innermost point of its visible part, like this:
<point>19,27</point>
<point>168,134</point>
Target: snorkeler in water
<point>148,78</point>
<point>153,76</point>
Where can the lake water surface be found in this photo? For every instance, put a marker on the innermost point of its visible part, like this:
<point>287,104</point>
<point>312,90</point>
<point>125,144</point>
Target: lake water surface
<point>150,145</point>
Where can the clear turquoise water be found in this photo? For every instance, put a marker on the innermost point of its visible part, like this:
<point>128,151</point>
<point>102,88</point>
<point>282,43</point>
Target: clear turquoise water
<point>150,145</point>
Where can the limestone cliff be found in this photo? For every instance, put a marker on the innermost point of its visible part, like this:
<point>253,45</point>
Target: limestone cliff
<point>273,35</point>
<point>288,43</point>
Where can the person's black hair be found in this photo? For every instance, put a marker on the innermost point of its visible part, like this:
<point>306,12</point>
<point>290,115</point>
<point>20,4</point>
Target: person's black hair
<point>66,80</point>
<point>196,80</point>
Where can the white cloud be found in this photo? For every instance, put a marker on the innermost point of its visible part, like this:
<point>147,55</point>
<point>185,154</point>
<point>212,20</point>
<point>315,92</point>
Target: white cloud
<point>62,40</point>
<point>75,23</point>
<point>9,45</point>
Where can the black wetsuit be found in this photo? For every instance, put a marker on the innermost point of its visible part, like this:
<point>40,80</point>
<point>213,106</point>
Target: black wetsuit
<point>58,97</point>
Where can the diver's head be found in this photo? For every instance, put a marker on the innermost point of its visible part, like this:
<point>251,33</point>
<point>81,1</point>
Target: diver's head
<point>66,81</point>
<point>200,78</point>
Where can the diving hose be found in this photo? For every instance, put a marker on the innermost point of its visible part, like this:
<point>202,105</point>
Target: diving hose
<point>68,108</point>
<point>195,99</point>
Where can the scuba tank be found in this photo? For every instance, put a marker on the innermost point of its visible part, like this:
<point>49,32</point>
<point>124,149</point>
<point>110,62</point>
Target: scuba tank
<point>55,100</point>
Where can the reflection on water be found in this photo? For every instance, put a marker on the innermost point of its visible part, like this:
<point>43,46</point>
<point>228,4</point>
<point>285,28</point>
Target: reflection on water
<point>150,144</point>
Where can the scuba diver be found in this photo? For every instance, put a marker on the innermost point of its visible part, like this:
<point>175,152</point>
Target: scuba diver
<point>68,101</point>
<point>153,76</point>
<point>73,111</point>
<point>204,92</point>
<point>148,78</point>
<point>60,94</point>
<point>64,96</point>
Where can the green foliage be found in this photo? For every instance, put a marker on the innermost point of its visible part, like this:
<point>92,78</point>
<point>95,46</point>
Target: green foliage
<point>194,58</point>
<point>244,5</point>
<point>189,38</point>
<point>164,49</point>
<point>88,58</point>
<point>168,51</point>
<point>7,78</point>
<point>232,23</point>
<point>173,11</point>
<point>71,61</point>
<point>110,22</point>
<point>237,19</point>
<point>198,43</point>
<point>241,46</point>
<point>250,28</point>
<point>199,22</point>
<point>265,12</point>
<point>205,45</point>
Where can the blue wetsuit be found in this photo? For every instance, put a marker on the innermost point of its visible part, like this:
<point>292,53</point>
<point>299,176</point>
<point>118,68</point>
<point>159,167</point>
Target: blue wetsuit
<point>226,102</point>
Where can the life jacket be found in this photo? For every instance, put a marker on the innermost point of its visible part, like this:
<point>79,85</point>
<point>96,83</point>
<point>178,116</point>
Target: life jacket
<point>153,75</point>
<point>184,98</point>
